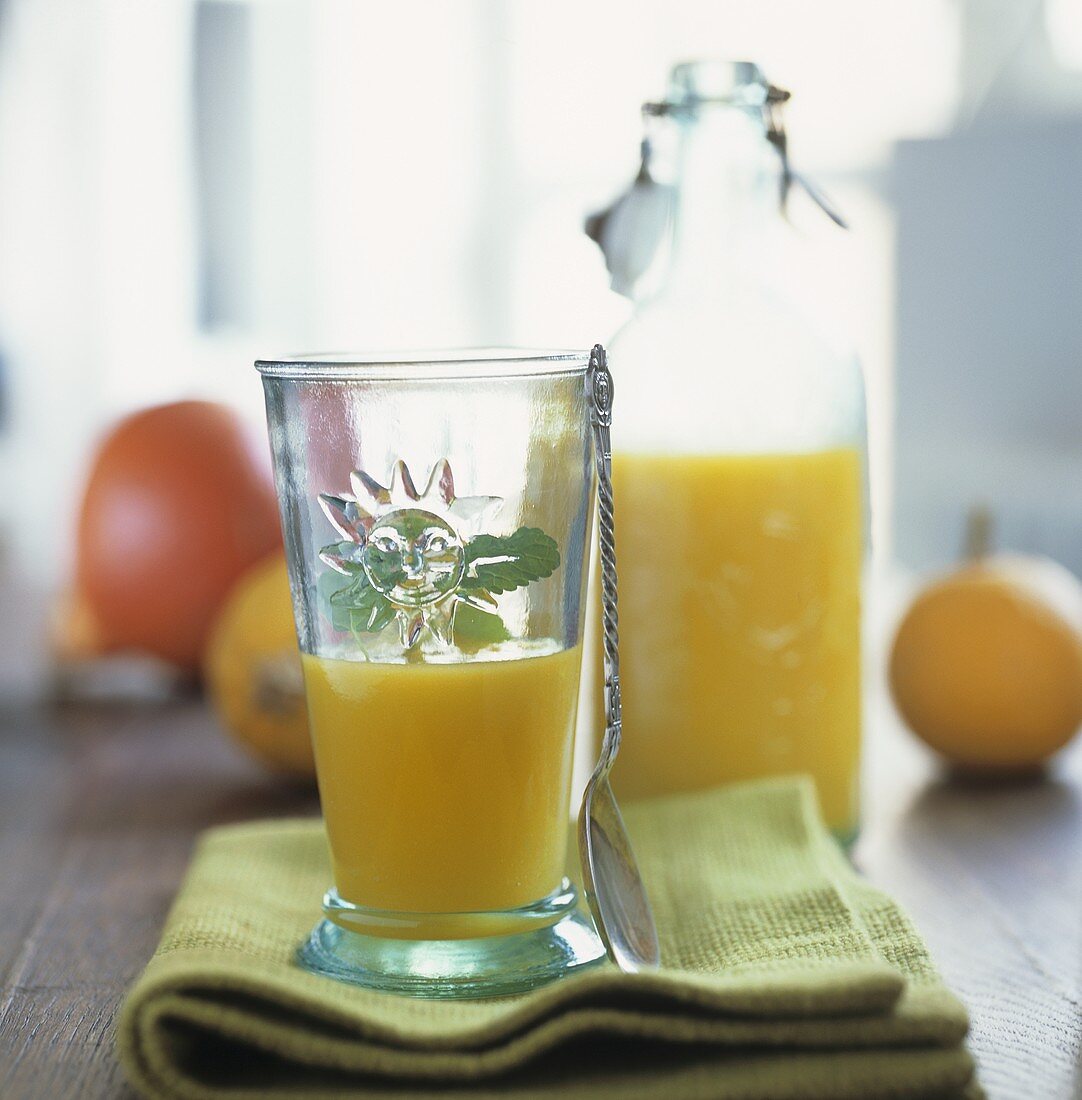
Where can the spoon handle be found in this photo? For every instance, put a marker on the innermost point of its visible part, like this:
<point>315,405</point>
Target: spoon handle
<point>599,392</point>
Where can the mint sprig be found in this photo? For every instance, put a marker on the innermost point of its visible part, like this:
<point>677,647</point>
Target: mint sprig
<point>494,564</point>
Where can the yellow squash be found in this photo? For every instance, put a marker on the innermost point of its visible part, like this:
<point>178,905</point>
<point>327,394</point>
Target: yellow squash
<point>253,670</point>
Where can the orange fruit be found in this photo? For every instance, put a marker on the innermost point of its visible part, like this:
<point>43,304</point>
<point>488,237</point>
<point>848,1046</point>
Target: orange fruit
<point>986,666</point>
<point>253,670</point>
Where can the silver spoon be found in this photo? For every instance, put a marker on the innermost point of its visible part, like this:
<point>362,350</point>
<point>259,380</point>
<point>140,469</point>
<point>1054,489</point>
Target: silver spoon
<point>614,887</point>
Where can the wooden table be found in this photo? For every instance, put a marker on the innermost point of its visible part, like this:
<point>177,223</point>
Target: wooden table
<point>99,808</point>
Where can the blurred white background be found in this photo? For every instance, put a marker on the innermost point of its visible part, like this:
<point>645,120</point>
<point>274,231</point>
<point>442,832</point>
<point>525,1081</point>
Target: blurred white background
<point>187,184</point>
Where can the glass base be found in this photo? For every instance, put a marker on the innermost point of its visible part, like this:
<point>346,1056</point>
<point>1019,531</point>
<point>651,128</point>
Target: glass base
<point>393,925</point>
<point>544,941</point>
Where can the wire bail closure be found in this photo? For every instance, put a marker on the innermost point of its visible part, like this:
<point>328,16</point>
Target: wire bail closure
<point>769,99</point>
<point>775,133</point>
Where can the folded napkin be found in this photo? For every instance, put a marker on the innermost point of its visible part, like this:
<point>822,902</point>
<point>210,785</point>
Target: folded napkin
<point>785,976</point>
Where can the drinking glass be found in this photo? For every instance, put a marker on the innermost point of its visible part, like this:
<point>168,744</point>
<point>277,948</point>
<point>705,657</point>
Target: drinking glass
<point>436,511</point>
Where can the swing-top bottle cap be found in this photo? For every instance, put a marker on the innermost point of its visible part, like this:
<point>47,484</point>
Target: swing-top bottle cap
<point>733,83</point>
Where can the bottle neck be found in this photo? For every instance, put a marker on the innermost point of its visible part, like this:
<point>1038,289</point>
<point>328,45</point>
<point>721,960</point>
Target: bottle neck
<point>727,198</point>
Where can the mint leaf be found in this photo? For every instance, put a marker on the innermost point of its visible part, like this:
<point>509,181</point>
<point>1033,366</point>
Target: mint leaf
<point>342,556</point>
<point>353,604</point>
<point>328,583</point>
<point>476,628</point>
<point>502,563</point>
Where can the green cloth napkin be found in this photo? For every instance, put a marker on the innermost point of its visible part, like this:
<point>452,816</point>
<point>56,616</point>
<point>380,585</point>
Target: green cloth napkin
<point>785,976</point>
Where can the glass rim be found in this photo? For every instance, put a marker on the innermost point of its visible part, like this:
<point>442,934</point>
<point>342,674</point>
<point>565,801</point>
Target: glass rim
<point>431,363</point>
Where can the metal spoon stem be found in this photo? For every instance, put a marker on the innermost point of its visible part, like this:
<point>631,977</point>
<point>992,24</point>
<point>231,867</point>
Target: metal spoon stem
<point>614,887</point>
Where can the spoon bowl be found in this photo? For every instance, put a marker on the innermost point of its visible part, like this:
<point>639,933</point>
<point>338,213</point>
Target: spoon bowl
<point>613,886</point>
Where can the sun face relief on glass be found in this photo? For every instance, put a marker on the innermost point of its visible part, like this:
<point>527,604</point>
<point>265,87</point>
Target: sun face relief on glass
<point>436,513</point>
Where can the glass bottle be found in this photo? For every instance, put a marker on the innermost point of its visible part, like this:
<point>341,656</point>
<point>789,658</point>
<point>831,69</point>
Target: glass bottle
<point>738,470</point>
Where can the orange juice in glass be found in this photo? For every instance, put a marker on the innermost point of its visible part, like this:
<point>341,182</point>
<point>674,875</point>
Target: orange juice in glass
<point>436,511</point>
